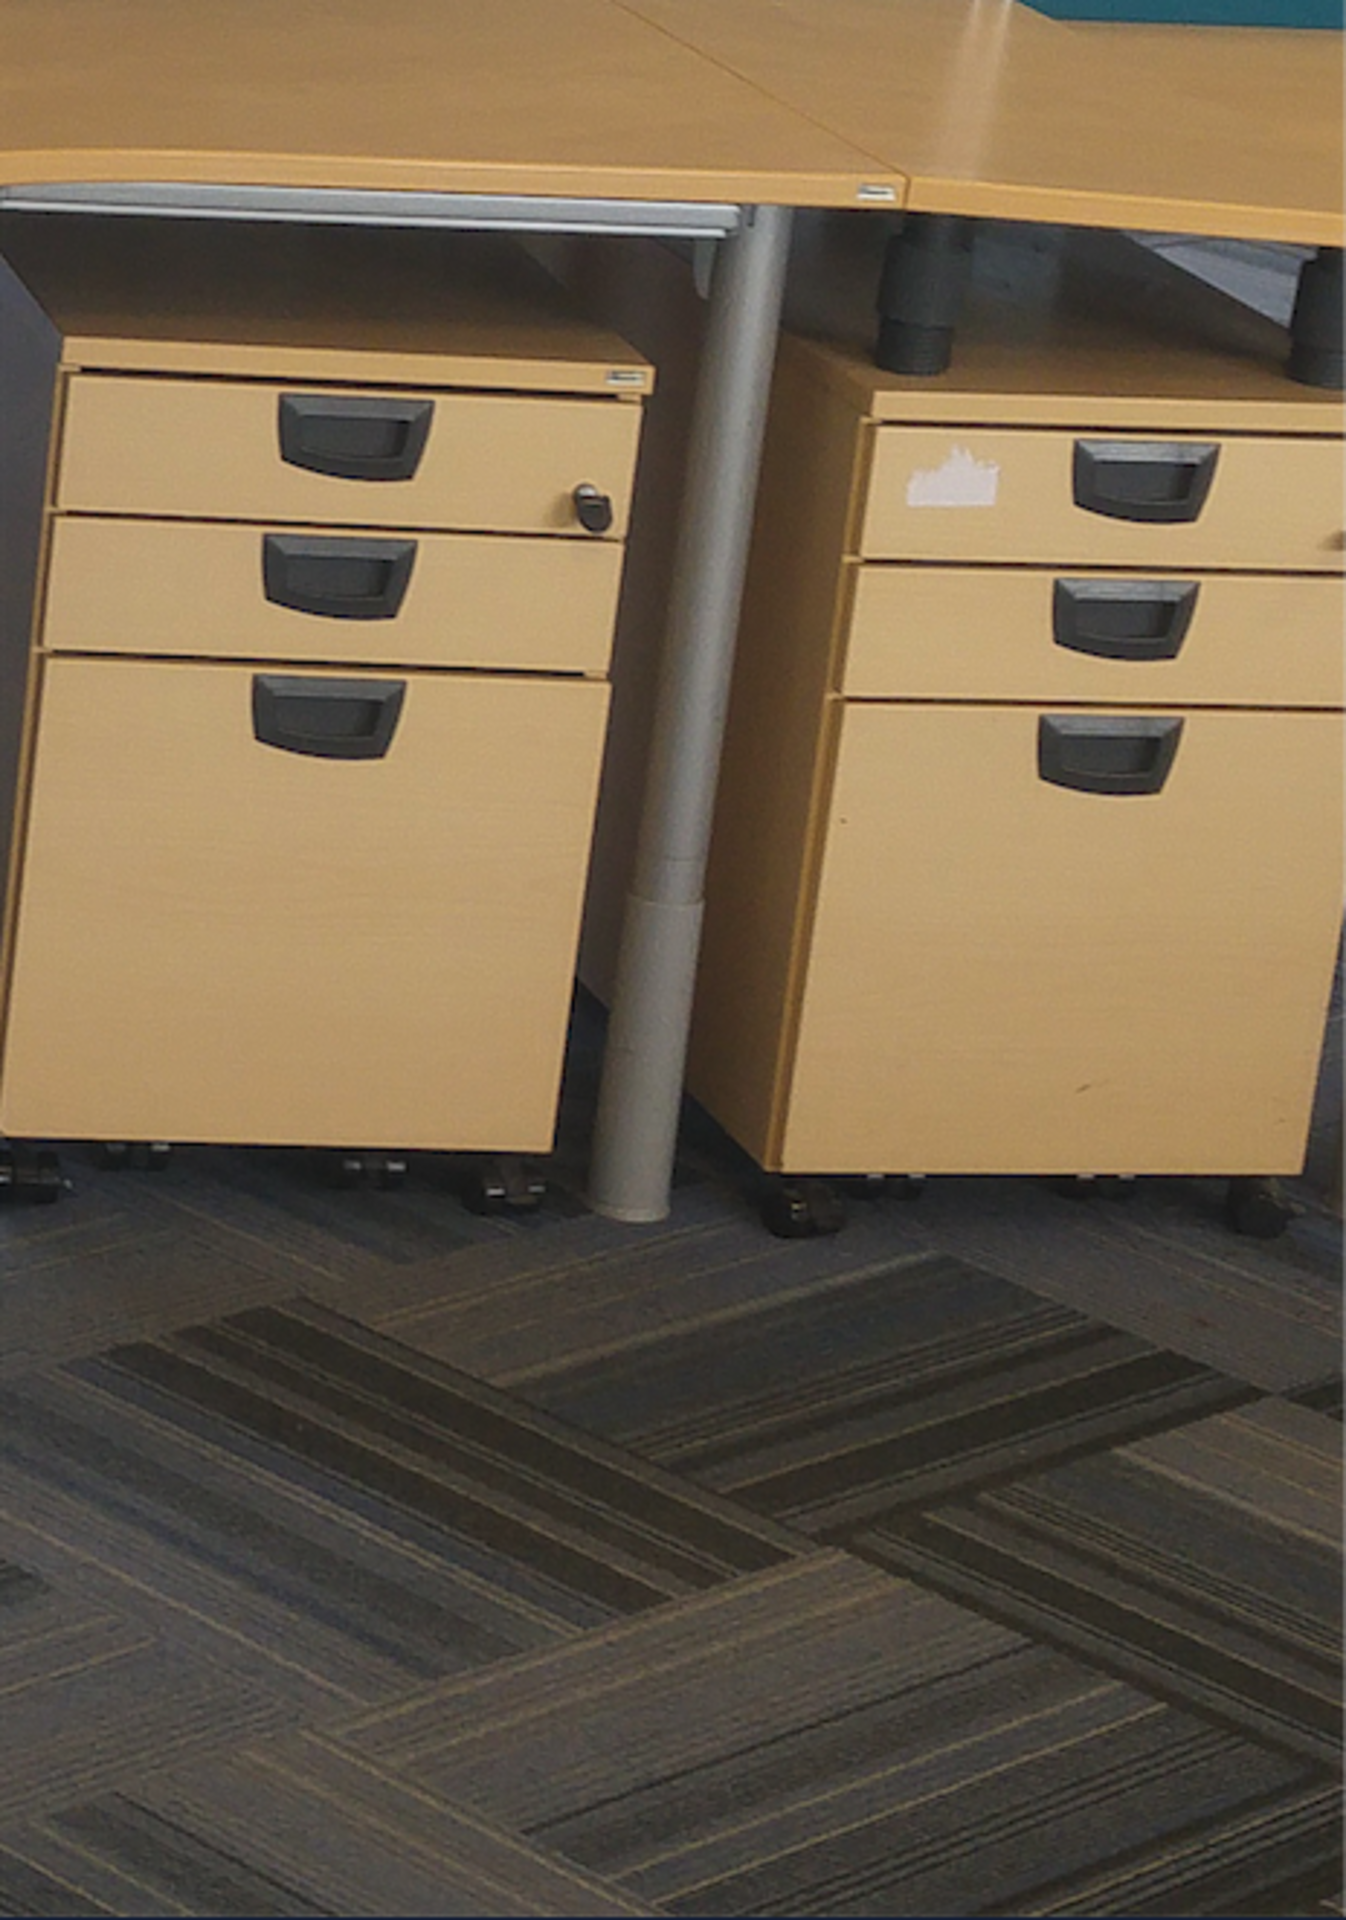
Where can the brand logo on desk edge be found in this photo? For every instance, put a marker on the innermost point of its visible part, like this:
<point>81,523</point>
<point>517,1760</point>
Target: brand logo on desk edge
<point>625,377</point>
<point>876,192</point>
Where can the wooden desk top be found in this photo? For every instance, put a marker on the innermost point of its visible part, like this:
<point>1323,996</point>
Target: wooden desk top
<point>990,108</point>
<point>467,96</point>
<point>963,106</point>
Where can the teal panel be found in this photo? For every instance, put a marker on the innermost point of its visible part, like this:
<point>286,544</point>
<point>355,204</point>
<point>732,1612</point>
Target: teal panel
<point>1202,13</point>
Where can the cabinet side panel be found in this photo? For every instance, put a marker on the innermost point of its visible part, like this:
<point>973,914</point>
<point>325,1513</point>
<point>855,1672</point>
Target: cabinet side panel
<point>776,759</point>
<point>29,350</point>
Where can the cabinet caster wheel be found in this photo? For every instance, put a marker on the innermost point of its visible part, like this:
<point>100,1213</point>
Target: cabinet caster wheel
<point>1256,1207</point>
<point>500,1186</point>
<point>801,1209</point>
<point>385,1170</point>
<point>1095,1186</point>
<point>119,1156</point>
<point>32,1174</point>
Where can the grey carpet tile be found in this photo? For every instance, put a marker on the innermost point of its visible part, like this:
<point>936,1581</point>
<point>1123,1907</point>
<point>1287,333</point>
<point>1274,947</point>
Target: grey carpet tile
<point>821,1739</point>
<point>373,1517</point>
<point>907,1381</point>
<point>91,1698</point>
<point>1205,1563</point>
<point>1161,1264</point>
<point>96,1295</point>
<point>594,1288</point>
<point>1323,1396</point>
<point>286,1828</point>
<point>481,1307</point>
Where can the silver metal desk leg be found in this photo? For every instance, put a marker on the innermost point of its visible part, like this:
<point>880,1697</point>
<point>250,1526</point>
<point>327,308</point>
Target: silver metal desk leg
<point>641,1089</point>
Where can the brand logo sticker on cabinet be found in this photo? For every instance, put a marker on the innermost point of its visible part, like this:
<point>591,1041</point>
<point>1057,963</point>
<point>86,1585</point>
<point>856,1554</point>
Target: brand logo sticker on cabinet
<point>962,481</point>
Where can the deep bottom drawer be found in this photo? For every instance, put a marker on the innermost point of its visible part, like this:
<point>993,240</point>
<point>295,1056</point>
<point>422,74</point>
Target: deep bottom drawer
<point>221,939</point>
<point>1010,975</point>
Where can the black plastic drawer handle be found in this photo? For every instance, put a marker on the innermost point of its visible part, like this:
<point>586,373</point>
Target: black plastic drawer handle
<point>1112,753</point>
<point>340,579</point>
<point>332,719</point>
<point>1123,619</point>
<point>354,437</point>
<point>1144,479</point>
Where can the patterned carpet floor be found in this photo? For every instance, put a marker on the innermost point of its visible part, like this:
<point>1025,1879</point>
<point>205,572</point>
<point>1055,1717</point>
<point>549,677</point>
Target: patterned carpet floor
<point>359,1556</point>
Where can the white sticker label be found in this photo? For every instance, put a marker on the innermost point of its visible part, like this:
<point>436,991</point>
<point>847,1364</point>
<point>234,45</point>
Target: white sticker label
<point>962,481</point>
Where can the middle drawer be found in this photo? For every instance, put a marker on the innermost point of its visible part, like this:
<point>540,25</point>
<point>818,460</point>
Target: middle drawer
<point>211,590</point>
<point>242,450</point>
<point>1001,633</point>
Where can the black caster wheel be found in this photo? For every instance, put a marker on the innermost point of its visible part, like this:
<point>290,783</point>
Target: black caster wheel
<point>32,1174</point>
<point>501,1185</point>
<point>801,1209</point>
<point>1095,1186</point>
<point>865,1186</point>
<point>386,1170</point>
<point>1256,1207</point>
<point>120,1156</point>
<point>883,1186</point>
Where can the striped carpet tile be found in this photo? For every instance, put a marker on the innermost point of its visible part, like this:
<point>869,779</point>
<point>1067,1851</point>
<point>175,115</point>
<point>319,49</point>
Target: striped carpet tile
<point>288,1828</point>
<point>857,1746</point>
<point>90,1696</point>
<point>287,1460</point>
<point>1205,1562</point>
<point>914,1381</point>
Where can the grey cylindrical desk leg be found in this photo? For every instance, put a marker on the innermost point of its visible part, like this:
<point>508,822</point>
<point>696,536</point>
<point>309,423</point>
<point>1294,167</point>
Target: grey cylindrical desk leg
<point>641,1090</point>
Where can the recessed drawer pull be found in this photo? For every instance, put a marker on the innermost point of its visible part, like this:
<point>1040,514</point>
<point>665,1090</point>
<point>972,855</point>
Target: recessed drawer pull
<point>1123,619</point>
<point>338,578</point>
<point>1126,753</point>
<point>354,437</point>
<point>331,719</point>
<point>1143,479</point>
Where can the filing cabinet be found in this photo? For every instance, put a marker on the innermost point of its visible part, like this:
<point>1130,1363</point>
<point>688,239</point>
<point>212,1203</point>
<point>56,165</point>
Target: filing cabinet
<point>1027,856</point>
<point>312,550</point>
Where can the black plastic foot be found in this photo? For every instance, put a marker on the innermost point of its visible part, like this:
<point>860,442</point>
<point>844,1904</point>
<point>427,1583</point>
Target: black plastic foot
<point>925,270</point>
<point>1316,344</point>
<point>801,1209</point>
<point>1256,1206</point>
<point>32,1174</point>
<point>502,1183</point>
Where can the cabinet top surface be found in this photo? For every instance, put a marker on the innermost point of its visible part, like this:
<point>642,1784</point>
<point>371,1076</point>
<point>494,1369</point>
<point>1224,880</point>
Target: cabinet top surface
<point>990,108</point>
<point>1061,327</point>
<point>514,97</point>
<point>216,297</point>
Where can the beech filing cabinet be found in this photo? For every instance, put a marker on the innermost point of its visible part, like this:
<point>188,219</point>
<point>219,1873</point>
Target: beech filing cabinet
<point>323,532</point>
<point>1027,857</point>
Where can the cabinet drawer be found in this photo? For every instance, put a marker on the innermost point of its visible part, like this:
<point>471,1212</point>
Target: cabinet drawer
<point>1011,975</point>
<point>219,939</point>
<point>969,494</point>
<point>201,449</point>
<point>1260,640</point>
<point>207,589</point>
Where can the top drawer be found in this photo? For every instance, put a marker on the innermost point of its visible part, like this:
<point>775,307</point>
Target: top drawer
<point>1098,499</point>
<point>476,462</point>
